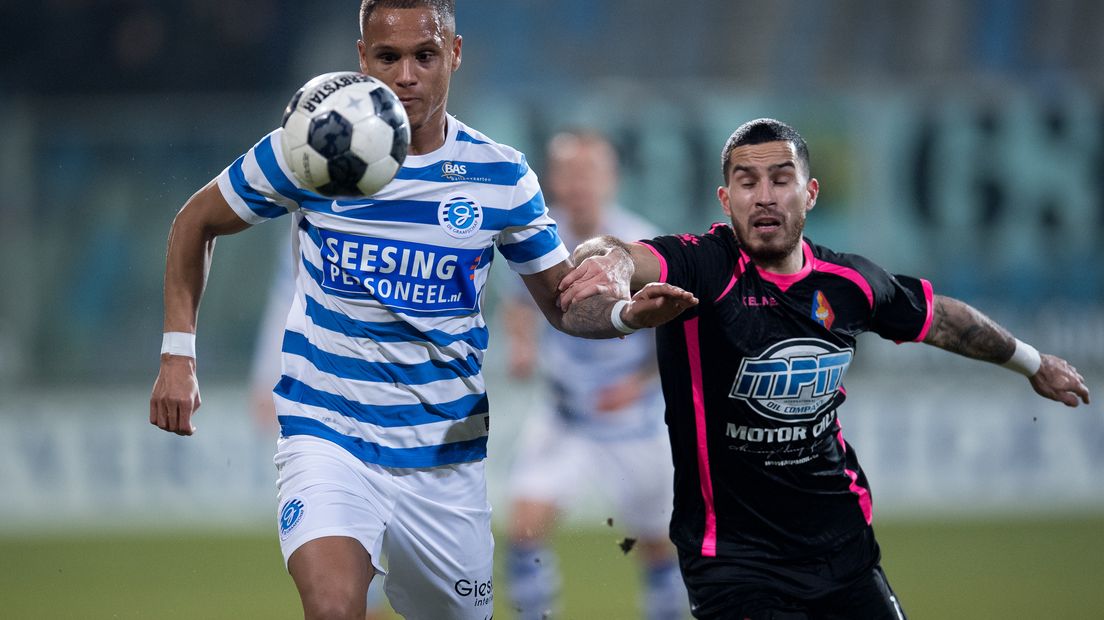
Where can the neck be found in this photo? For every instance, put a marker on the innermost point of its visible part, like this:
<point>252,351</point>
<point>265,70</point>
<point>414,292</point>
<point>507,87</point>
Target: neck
<point>429,137</point>
<point>787,265</point>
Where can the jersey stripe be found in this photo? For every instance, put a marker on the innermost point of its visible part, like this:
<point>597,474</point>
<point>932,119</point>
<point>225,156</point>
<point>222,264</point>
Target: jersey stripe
<point>693,354</point>
<point>393,331</point>
<point>425,456</point>
<point>360,370</point>
<point>383,415</point>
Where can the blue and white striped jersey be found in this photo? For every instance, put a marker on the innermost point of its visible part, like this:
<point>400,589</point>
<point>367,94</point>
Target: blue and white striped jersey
<point>384,344</point>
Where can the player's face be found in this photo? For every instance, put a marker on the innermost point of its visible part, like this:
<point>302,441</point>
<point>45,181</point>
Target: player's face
<point>414,53</point>
<point>582,179</point>
<point>767,196</point>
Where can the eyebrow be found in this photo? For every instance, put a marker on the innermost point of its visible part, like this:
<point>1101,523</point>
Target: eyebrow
<point>771,168</point>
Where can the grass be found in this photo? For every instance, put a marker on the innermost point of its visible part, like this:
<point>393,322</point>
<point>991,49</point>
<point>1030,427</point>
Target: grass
<point>1018,568</point>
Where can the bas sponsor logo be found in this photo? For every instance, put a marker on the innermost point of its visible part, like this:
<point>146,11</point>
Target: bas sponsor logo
<point>453,171</point>
<point>792,381</point>
<point>481,592</point>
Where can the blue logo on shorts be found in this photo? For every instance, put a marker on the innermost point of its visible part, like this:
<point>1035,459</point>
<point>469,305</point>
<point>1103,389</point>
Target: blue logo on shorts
<point>290,516</point>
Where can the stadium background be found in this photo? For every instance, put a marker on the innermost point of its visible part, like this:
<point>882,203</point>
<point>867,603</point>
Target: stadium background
<point>961,141</point>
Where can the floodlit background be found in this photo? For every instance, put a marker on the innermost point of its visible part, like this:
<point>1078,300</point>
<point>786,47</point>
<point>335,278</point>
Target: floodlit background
<point>958,141</point>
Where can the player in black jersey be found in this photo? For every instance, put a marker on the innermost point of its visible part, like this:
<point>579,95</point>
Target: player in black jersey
<point>772,510</point>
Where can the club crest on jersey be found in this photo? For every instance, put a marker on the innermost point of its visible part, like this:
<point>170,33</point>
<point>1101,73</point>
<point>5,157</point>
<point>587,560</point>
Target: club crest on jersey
<point>460,216</point>
<point>291,514</point>
<point>792,381</point>
<point>822,311</point>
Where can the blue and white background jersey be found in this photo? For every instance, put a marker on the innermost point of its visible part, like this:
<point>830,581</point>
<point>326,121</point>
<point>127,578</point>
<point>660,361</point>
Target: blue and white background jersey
<point>384,344</point>
<point>578,370</point>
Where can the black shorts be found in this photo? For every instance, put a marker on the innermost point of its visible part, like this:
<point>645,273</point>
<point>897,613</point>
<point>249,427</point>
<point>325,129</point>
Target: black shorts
<point>846,582</point>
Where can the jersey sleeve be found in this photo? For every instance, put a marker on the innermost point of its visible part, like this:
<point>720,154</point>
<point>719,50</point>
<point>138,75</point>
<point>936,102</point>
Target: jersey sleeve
<point>701,264</point>
<point>259,185</point>
<point>530,242</point>
<point>902,305</point>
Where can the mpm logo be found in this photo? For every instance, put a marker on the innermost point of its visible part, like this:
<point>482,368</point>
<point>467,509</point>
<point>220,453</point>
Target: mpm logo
<point>792,381</point>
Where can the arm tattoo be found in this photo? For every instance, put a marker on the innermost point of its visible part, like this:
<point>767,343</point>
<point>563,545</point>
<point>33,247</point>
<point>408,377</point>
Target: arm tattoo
<point>599,246</point>
<point>959,328</point>
<point>590,318</point>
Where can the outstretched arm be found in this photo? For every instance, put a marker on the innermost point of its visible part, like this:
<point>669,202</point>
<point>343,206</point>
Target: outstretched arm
<point>205,216</point>
<point>959,328</point>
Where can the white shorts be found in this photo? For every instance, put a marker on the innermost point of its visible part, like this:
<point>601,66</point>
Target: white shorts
<point>555,461</point>
<point>432,526</point>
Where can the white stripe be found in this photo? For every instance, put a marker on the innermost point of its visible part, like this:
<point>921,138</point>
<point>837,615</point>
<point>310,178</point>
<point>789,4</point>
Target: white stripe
<point>541,263</point>
<point>398,437</point>
<point>235,201</point>
<point>377,393</point>
<point>256,178</point>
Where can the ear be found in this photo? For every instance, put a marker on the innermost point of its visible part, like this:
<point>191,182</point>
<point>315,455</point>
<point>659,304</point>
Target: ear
<point>722,196</point>
<point>362,51</point>
<point>812,190</point>
<point>457,43</point>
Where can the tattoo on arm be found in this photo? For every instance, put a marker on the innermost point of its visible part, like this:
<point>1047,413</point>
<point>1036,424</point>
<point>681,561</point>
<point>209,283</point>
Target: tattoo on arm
<point>599,246</point>
<point>590,318</point>
<point>959,328</point>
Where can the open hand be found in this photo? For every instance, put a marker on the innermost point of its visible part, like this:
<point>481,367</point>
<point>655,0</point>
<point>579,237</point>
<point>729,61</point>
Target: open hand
<point>655,304</point>
<point>1058,380</point>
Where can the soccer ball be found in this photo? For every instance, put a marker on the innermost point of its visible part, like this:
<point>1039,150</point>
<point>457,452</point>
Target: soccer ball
<point>345,135</point>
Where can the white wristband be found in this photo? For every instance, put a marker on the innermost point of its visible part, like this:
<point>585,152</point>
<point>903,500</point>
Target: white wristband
<point>615,318</point>
<point>1025,359</point>
<point>178,343</point>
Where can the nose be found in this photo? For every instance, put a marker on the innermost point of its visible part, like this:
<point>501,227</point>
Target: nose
<point>406,76</point>
<point>764,194</point>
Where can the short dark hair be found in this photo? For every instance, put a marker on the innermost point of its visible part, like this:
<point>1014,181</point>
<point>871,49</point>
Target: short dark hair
<point>445,9</point>
<point>760,131</point>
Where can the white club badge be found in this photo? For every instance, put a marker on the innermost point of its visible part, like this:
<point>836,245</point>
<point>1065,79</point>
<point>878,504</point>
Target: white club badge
<point>460,216</point>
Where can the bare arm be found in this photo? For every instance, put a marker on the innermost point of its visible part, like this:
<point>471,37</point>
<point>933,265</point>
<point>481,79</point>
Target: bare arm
<point>205,216</point>
<point>608,266</point>
<point>590,318</point>
<point>959,328</point>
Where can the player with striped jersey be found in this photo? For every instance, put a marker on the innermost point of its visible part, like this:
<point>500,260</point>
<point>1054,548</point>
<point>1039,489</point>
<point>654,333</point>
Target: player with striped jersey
<point>382,407</point>
<point>772,512</point>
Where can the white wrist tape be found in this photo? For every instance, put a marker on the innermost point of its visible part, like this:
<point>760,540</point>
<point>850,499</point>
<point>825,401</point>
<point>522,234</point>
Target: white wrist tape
<point>178,343</point>
<point>615,318</point>
<point>1025,359</point>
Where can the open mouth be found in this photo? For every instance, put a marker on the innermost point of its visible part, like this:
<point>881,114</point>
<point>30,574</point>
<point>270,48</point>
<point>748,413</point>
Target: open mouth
<point>766,224</point>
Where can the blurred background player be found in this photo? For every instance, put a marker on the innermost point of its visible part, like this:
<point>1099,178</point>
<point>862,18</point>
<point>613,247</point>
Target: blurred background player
<point>603,420</point>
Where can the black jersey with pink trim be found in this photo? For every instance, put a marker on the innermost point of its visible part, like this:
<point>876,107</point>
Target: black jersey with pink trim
<point>752,379</point>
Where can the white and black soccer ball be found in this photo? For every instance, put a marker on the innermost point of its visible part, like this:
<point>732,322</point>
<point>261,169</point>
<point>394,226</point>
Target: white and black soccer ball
<point>345,134</point>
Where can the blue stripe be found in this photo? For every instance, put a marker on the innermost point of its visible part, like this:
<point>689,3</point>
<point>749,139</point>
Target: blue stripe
<point>492,173</point>
<point>409,211</point>
<point>266,159</point>
<point>383,415</point>
<point>316,274</point>
<point>463,136</point>
<point>534,247</point>
<point>425,456</point>
<point>524,214</point>
<point>394,331</point>
<point>253,199</point>
<point>363,370</point>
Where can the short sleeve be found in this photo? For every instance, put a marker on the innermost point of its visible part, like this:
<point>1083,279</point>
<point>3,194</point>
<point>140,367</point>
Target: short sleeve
<point>902,308</point>
<point>259,185</point>
<point>701,264</point>
<point>530,242</point>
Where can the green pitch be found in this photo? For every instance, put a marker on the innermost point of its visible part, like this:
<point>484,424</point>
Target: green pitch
<point>972,569</point>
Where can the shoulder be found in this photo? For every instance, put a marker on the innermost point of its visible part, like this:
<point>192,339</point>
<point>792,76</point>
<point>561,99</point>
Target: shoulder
<point>474,144</point>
